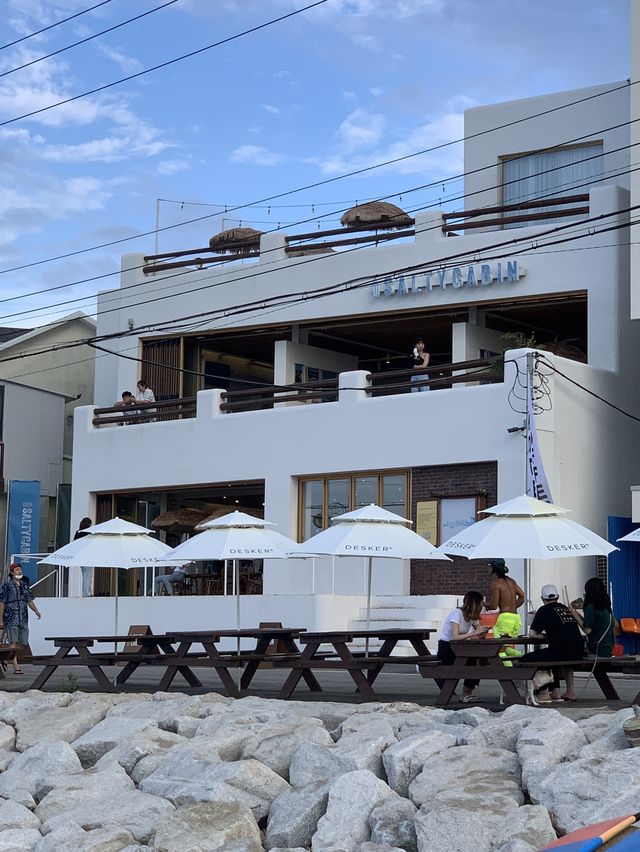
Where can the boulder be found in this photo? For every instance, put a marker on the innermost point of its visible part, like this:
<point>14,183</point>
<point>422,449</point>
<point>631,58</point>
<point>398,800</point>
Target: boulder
<point>363,749</point>
<point>294,815</point>
<point>80,790</point>
<point>138,813</point>
<point>445,770</point>
<point>19,839</point>
<point>167,709</point>
<point>464,734</point>
<point>68,838</point>
<point>15,815</point>
<point>346,822</point>
<point>106,735</point>
<point>473,716</point>
<point>591,789</point>
<point>404,760</point>
<point>7,737</point>
<point>36,768</point>
<point>529,824</point>
<point>500,796</point>
<point>561,736</point>
<point>392,824</point>
<point>66,723</point>
<point>30,702</point>
<point>275,745</point>
<point>631,729</point>
<point>369,846</point>
<point>208,826</point>
<point>503,734</point>
<point>517,846</point>
<point>599,724</point>
<point>132,750</point>
<point>189,774</point>
<point>313,763</point>
<point>453,829</point>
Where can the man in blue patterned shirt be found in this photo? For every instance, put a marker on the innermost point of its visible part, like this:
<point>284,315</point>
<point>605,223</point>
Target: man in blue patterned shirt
<point>16,599</point>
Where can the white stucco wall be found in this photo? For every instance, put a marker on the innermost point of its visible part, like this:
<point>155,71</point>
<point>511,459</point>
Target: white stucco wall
<point>635,148</point>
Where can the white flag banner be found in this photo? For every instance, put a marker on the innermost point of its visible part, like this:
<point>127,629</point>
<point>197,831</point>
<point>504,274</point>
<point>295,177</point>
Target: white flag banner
<point>537,485</point>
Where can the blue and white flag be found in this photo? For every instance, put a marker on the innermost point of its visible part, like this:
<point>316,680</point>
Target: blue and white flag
<point>537,485</point>
<point>23,523</point>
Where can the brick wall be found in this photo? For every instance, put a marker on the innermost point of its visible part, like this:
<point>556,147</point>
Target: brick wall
<point>431,577</point>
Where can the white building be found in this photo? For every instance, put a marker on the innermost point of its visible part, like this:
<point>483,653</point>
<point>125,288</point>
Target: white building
<point>437,457</point>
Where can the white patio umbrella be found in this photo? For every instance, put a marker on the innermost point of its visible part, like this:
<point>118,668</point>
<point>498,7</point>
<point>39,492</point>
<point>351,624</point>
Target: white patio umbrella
<point>370,532</point>
<point>113,544</point>
<point>525,528</point>
<point>234,536</point>
<point>632,536</point>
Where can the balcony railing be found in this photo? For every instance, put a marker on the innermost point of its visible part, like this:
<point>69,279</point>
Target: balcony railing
<point>485,217</point>
<point>145,412</point>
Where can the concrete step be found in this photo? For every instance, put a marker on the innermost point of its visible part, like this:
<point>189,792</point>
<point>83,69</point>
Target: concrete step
<point>403,613</point>
<point>389,624</point>
<point>447,602</point>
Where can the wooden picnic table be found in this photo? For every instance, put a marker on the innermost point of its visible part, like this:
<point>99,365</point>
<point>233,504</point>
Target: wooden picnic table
<point>285,637</point>
<point>355,663</point>
<point>477,659</point>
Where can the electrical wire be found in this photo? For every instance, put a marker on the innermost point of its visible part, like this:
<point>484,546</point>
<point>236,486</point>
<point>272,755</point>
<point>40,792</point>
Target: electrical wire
<point>165,64</point>
<point>51,26</point>
<point>35,312</point>
<point>326,181</point>
<point>87,39</point>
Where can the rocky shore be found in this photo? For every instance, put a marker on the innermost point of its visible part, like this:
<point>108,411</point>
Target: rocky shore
<point>180,773</point>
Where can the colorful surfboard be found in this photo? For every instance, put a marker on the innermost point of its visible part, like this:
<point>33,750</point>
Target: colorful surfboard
<point>620,835</point>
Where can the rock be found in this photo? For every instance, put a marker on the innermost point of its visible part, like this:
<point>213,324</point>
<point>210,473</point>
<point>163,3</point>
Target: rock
<point>167,709</point>
<point>192,774</point>
<point>392,824</point>
<point>599,725</point>
<point>132,750</point>
<point>517,846</point>
<point>562,736</point>
<point>294,815</point>
<point>65,723</point>
<point>346,822</point>
<point>447,829</point>
<point>313,763</point>
<point>15,815</point>
<point>529,824</point>
<point>275,745</point>
<point>138,813</point>
<point>464,734</point>
<point>445,770</point>
<point>80,790</point>
<point>588,790</point>
<point>363,749</point>
<point>631,730</point>
<point>19,839</point>
<point>499,796</point>
<point>7,737</point>
<point>30,703</point>
<point>503,734</point>
<point>378,847</point>
<point>68,838</point>
<point>35,768</point>
<point>403,760</point>
<point>106,735</point>
<point>208,826</point>
<point>472,716</point>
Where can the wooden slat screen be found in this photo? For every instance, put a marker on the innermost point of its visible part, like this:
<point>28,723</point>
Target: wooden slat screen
<point>157,357</point>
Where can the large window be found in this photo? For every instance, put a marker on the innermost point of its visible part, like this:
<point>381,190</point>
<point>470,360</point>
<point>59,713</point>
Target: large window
<point>543,174</point>
<point>324,497</point>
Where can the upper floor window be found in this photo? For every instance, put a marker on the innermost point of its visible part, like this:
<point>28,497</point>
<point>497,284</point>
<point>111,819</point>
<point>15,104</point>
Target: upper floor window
<point>324,497</point>
<point>543,174</point>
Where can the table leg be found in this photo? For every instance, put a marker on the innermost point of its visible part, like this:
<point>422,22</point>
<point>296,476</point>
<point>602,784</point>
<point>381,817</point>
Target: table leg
<point>252,666</point>
<point>420,647</point>
<point>364,688</point>
<point>308,676</point>
<point>221,669</point>
<point>511,692</point>
<point>384,651</point>
<point>604,682</point>
<point>50,668</point>
<point>296,673</point>
<point>447,690</point>
<point>173,665</point>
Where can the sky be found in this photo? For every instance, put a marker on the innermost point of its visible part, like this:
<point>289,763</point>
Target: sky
<point>340,87</point>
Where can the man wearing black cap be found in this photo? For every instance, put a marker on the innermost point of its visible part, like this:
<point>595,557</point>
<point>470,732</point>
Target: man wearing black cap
<point>556,624</point>
<point>505,594</point>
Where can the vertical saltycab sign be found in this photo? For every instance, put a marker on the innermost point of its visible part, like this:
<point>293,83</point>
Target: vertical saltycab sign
<point>23,523</point>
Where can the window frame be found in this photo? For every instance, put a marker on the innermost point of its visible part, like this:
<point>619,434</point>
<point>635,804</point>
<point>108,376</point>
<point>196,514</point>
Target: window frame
<point>352,476</point>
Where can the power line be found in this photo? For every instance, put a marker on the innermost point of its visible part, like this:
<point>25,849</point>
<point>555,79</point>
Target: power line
<point>326,181</point>
<point>51,26</point>
<point>166,64</point>
<point>85,40</point>
<point>617,172</point>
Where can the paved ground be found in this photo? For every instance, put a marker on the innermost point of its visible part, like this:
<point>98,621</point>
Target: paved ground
<point>400,685</point>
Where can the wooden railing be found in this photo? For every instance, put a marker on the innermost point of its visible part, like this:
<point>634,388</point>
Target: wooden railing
<point>485,217</point>
<point>483,370</point>
<point>145,412</point>
<point>256,399</point>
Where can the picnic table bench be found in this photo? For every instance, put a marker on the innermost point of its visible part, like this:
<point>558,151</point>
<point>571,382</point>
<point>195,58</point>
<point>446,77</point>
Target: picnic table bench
<point>342,657</point>
<point>478,659</point>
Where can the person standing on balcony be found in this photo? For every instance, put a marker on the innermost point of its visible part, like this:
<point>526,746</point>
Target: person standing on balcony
<point>87,570</point>
<point>145,394</point>
<point>420,361</point>
<point>16,599</point>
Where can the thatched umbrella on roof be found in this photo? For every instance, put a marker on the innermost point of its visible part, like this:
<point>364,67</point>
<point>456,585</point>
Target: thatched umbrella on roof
<point>236,240</point>
<point>378,214</point>
<point>224,509</point>
<point>179,520</point>
<point>300,251</point>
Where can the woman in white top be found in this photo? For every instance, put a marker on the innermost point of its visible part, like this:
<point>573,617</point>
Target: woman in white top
<point>461,623</point>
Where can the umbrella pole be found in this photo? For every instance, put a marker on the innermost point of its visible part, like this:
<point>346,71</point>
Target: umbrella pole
<point>527,594</point>
<point>115,631</point>
<point>236,574</point>
<point>369,572</point>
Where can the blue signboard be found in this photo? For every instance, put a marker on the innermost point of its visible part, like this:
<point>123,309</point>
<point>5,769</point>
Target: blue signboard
<point>23,523</point>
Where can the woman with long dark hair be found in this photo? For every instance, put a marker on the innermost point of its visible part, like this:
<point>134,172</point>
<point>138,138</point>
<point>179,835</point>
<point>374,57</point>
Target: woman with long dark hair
<point>598,621</point>
<point>461,623</point>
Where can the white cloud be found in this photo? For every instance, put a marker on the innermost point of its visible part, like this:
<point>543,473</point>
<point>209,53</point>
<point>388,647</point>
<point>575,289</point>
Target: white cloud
<point>360,129</point>
<point>172,167</point>
<point>376,91</point>
<point>127,64</point>
<point>274,110</point>
<point>368,42</point>
<point>349,96</point>
<point>255,154</point>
